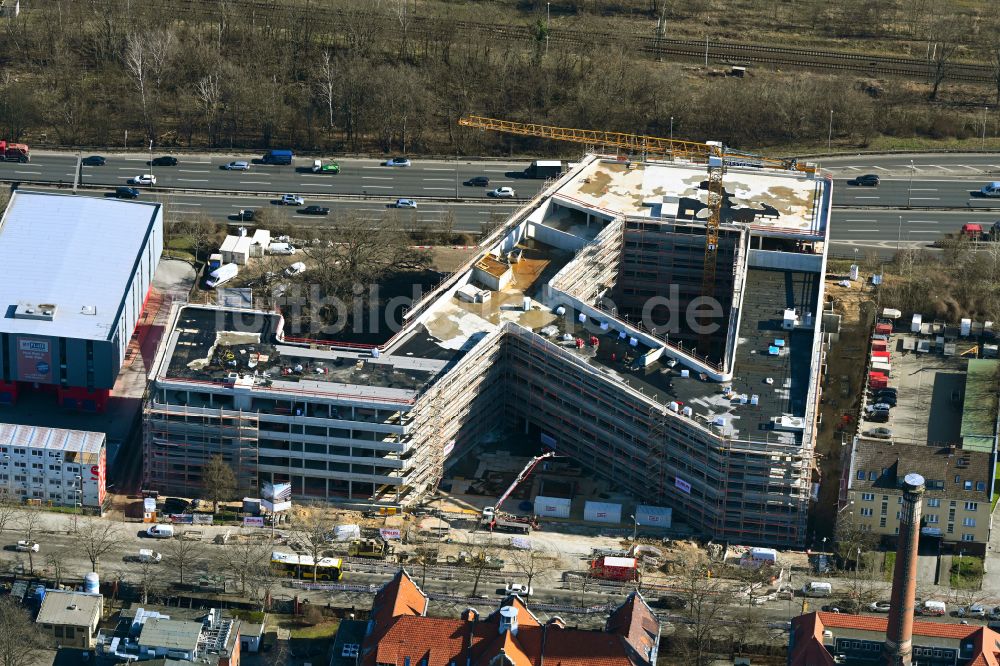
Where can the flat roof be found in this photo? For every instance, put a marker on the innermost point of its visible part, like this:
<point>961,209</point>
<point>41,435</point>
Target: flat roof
<point>170,634</point>
<point>209,344</point>
<point>74,609</point>
<point>74,252</point>
<point>779,381</point>
<point>53,439</point>
<point>979,406</point>
<point>767,199</point>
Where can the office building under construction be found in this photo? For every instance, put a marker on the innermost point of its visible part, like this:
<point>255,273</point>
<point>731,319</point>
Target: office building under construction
<point>590,322</point>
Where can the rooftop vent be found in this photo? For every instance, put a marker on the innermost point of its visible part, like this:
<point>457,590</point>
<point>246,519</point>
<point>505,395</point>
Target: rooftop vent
<point>88,310</point>
<point>41,312</point>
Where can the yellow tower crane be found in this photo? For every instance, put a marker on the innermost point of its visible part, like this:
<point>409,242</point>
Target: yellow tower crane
<point>713,154</point>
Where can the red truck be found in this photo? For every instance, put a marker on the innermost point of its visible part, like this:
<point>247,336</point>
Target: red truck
<point>14,152</point>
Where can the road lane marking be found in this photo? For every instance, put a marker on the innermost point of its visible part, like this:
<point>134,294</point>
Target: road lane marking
<point>37,173</point>
<point>496,170</point>
<point>446,189</point>
<point>253,182</point>
<point>378,187</point>
<point>193,170</point>
<point>193,180</point>
<point>879,168</point>
<point>438,180</point>
<point>925,198</point>
<point>438,169</point>
<point>923,222</point>
<point>315,184</point>
<point>179,203</point>
<point>920,231</point>
<point>126,169</point>
<point>938,166</point>
<point>861,231</point>
<point>923,189</point>
<point>376,177</point>
<point>866,197</point>
<point>859,220</point>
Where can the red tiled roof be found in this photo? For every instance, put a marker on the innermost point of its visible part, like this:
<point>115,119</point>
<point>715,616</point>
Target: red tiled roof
<point>807,642</point>
<point>568,647</point>
<point>635,622</point>
<point>441,641</point>
<point>879,624</point>
<point>400,597</point>
<point>985,654</point>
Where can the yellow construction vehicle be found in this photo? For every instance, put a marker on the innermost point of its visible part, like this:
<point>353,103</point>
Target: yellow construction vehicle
<point>373,548</point>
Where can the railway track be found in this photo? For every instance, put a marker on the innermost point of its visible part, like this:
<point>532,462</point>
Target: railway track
<point>428,28</point>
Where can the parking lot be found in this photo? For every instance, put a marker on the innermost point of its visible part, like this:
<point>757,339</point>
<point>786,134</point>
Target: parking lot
<point>930,390</point>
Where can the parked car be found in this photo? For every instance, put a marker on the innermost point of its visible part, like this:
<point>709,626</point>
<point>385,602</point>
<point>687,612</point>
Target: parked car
<point>94,160</point>
<point>295,269</point>
<point>519,589</point>
<point>879,607</point>
<point>313,210</point>
<point>477,181</point>
<point>878,417</point>
<point>503,193</point>
<point>867,180</point>
<point>143,179</point>
<point>405,203</point>
<point>975,610</point>
<point>25,546</point>
<point>126,193</point>
<point>879,433</point>
<point>160,531</point>
<point>398,162</point>
<point>291,200</point>
<point>166,160</point>
<point>237,166</point>
<point>880,407</point>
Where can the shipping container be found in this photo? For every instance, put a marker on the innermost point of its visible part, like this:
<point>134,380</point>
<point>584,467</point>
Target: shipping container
<point>883,329</point>
<point>883,367</point>
<point>880,345</point>
<point>877,381</point>
<point>552,507</point>
<point>615,568</point>
<point>602,512</point>
<point>653,516</point>
<point>880,355</point>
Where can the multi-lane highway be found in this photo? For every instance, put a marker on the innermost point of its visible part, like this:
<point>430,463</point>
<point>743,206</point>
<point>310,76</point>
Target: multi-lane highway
<point>920,197</point>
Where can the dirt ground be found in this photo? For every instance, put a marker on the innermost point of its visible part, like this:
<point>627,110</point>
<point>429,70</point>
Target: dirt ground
<point>842,389</point>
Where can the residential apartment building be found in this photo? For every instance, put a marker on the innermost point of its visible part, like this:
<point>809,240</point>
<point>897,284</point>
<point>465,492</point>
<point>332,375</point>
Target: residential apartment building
<point>721,431</point>
<point>53,466</point>
<point>956,503</point>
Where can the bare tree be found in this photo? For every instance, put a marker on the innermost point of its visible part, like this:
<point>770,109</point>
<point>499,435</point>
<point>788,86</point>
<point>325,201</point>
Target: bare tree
<point>21,641</point>
<point>946,35</point>
<point>137,65</point>
<point>530,563</point>
<point>149,579</point>
<point>243,560</point>
<point>9,507</point>
<point>55,560</point>
<point>183,555</point>
<point>263,581</point>
<point>313,532</point>
<point>705,598</point>
<point>328,85</point>
<point>219,481</point>
<point>97,538</point>
<point>30,522</point>
<point>423,556</point>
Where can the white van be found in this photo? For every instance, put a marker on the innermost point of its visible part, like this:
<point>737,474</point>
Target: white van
<point>280,248</point>
<point>932,607</point>
<point>295,269</point>
<point>148,556</point>
<point>160,531</point>
<point>817,589</point>
<point>221,275</point>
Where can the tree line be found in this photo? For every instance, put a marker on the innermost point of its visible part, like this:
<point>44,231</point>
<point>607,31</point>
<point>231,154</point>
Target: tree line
<point>373,77</point>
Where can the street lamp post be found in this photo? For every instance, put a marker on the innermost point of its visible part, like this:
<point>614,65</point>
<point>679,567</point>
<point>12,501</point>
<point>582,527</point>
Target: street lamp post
<point>899,233</point>
<point>909,188</point>
<point>151,158</point>
<point>671,137</point>
<point>829,136</point>
<point>635,531</point>
<point>985,109</point>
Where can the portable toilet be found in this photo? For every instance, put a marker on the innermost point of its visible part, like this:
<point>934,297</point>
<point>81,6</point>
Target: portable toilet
<point>149,510</point>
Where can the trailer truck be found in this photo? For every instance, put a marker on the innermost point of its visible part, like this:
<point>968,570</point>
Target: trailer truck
<point>14,152</point>
<point>544,169</point>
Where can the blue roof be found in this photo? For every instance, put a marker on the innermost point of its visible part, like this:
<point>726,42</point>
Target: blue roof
<point>74,252</point>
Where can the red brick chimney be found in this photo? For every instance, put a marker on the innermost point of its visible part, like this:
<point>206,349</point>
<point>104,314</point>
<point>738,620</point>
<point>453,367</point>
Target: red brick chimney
<point>899,634</point>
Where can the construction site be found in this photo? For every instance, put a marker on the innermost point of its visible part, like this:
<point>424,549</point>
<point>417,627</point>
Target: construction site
<point>655,320</point>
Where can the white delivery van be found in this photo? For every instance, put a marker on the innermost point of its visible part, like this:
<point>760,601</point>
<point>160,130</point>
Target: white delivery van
<point>816,589</point>
<point>148,556</point>
<point>160,531</point>
<point>932,607</point>
<point>221,275</point>
<point>295,269</point>
<point>280,248</point>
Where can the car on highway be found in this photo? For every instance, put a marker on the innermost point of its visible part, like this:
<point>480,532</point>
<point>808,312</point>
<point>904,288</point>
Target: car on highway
<point>166,160</point>
<point>879,607</point>
<point>502,193</point>
<point>477,181</point>
<point>25,546</point>
<point>291,200</point>
<point>313,210</point>
<point>94,160</point>
<point>142,179</point>
<point>398,162</point>
<point>126,193</point>
<point>405,203</point>
<point>867,180</point>
<point>245,215</point>
<point>991,189</point>
<point>236,166</point>
<point>519,589</point>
